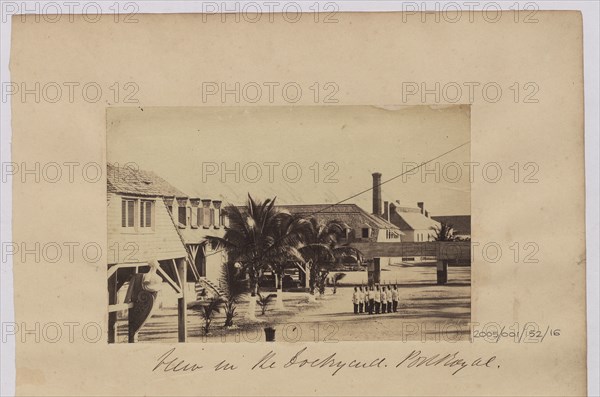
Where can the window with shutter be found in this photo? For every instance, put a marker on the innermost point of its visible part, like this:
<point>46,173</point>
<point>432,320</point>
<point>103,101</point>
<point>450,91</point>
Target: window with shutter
<point>128,213</point>
<point>149,213</point>
<point>194,217</point>
<point>224,220</point>
<point>146,207</point>
<point>206,217</point>
<point>217,218</point>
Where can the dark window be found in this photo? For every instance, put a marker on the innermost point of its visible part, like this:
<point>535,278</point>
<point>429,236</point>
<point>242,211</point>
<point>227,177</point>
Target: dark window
<point>182,215</point>
<point>123,213</point>
<point>365,232</point>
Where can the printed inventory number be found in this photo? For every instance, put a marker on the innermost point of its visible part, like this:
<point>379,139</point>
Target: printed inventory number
<point>528,333</point>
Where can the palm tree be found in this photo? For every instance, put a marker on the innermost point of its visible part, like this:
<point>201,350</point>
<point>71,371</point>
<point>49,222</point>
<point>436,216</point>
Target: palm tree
<point>321,250</point>
<point>335,279</point>
<point>289,236</point>
<point>263,301</point>
<point>208,310</point>
<point>444,232</point>
<point>257,239</point>
<point>234,287</point>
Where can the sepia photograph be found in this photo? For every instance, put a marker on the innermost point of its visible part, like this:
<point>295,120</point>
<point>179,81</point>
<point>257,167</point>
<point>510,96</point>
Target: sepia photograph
<point>338,223</point>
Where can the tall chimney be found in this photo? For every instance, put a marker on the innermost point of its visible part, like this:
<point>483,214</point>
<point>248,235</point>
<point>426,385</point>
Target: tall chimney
<point>377,193</point>
<point>421,205</point>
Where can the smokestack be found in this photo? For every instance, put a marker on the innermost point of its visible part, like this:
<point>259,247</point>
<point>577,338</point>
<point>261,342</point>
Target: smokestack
<point>377,193</point>
<point>421,205</point>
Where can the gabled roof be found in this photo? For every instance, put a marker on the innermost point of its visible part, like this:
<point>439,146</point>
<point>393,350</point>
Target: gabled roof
<point>128,180</point>
<point>351,214</point>
<point>461,223</point>
<point>414,221</point>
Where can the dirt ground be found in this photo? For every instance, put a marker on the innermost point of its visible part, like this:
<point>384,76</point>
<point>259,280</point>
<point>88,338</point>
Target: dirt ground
<point>426,312</point>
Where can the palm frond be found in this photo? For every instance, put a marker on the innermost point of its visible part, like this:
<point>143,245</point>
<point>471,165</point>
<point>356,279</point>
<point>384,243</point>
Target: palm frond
<point>264,300</point>
<point>444,232</point>
<point>338,277</point>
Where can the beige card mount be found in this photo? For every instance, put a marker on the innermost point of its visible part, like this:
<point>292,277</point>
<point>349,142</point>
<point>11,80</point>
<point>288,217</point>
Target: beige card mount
<point>374,206</point>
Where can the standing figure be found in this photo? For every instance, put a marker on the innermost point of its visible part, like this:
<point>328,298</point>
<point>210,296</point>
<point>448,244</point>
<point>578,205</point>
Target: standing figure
<point>371,300</point>
<point>361,299</point>
<point>355,300</point>
<point>377,299</point>
<point>390,303</point>
<point>395,298</point>
<point>383,300</point>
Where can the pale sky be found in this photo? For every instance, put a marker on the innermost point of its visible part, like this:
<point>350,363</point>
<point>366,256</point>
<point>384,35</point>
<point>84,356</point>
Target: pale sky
<point>346,143</point>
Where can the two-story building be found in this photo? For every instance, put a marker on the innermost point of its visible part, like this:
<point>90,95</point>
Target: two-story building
<point>415,222</point>
<point>362,226</point>
<point>363,229</point>
<point>195,219</point>
<point>150,220</point>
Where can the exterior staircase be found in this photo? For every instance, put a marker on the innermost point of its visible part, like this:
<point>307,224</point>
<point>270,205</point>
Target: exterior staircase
<point>204,284</point>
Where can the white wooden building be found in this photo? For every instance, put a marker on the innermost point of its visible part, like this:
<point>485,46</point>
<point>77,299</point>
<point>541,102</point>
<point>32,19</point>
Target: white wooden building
<point>148,219</point>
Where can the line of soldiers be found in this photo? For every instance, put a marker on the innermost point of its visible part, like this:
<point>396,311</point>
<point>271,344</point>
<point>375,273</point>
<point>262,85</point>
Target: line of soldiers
<point>378,299</point>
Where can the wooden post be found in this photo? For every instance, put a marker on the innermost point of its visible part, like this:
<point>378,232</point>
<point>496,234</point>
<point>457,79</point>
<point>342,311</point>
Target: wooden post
<point>306,275</point>
<point>376,270</point>
<point>181,302</point>
<point>112,300</point>
<point>442,272</point>
<point>445,272</point>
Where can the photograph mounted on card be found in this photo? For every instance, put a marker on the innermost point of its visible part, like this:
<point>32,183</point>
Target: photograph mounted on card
<point>396,239</point>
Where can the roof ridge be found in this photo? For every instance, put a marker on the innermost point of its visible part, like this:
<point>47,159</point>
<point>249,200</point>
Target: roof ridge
<point>130,180</point>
